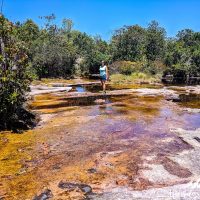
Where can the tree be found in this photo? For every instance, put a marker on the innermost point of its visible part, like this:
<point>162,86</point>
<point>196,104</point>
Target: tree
<point>155,47</point>
<point>91,50</point>
<point>186,36</point>
<point>53,51</point>
<point>183,54</point>
<point>128,43</point>
<point>27,31</point>
<point>67,25</point>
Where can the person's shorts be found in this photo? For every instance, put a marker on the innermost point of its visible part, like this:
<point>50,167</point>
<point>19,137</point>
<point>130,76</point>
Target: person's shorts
<point>103,78</point>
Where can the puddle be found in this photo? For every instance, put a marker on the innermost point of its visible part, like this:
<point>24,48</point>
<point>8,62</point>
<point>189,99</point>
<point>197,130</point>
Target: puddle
<point>79,89</point>
<point>91,88</point>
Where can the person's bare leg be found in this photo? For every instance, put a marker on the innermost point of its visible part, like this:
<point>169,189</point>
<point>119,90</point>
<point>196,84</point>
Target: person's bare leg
<point>102,83</point>
<point>104,86</point>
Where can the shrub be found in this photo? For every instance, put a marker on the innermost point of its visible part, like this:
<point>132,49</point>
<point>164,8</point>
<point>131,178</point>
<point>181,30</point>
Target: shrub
<point>14,77</point>
<point>125,67</point>
<point>154,67</point>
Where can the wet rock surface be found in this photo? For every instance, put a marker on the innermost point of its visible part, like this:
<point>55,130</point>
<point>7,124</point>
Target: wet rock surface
<point>178,192</point>
<point>47,194</point>
<point>36,90</point>
<point>86,189</point>
<point>132,146</point>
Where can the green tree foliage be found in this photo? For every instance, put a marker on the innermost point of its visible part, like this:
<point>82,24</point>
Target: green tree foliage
<point>183,54</point>
<point>53,51</point>
<point>61,51</point>
<point>91,49</point>
<point>100,51</point>
<point>137,44</point>
<point>128,43</point>
<point>14,76</point>
<point>27,32</point>
<point>156,53</point>
<point>155,43</point>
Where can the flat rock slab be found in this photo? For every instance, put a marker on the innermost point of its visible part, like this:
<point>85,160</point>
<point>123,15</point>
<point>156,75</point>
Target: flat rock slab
<point>192,137</point>
<point>73,84</point>
<point>36,90</point>
<point>187,191</point>
<point>187,89</point>
<point>100,94</point>
<point>191,110</point>
<point>140,92</point>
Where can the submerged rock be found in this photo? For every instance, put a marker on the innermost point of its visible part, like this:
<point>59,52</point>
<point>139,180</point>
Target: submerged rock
<point>92,170</point>
<point>47,194</point>
<point>73,186</point>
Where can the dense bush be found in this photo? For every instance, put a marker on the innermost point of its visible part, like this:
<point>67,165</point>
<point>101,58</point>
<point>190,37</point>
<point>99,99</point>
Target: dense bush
<point>14,76</point>
<point>126,67</point>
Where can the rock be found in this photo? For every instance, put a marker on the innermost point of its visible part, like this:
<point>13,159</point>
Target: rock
<point>99,101</point>
<point>92,170</point>
<point>40,89</point>
<point>174,168</point>
<point>21,171</point>
<point>67,185</point>
<point>188,136</point>
<point>169,95</point>
<point>179,192</point>
<point>59,84</point>
<point>47,194</point>
<point>174,98</point>
<point>144,82</point>
<point>86,189</point>
<point>192,110</point>
<point>73,186</point>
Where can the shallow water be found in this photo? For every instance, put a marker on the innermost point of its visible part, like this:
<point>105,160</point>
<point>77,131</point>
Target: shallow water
<point>111,87</point>
<point>119,137</point>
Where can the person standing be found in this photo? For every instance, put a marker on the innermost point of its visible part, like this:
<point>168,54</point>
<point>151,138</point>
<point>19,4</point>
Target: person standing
<point>103,75</point>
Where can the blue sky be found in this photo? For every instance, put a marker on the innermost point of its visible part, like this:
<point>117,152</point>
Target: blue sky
<point>102,17</point>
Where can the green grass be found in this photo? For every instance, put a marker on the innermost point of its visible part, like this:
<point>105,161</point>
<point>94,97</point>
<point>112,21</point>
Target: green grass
<point>137,77</point>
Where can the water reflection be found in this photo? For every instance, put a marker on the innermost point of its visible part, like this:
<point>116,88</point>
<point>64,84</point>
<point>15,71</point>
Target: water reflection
<point>190,100</point>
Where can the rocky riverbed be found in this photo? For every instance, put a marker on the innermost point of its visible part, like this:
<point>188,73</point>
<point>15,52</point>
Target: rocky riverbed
<point>135,142</point>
